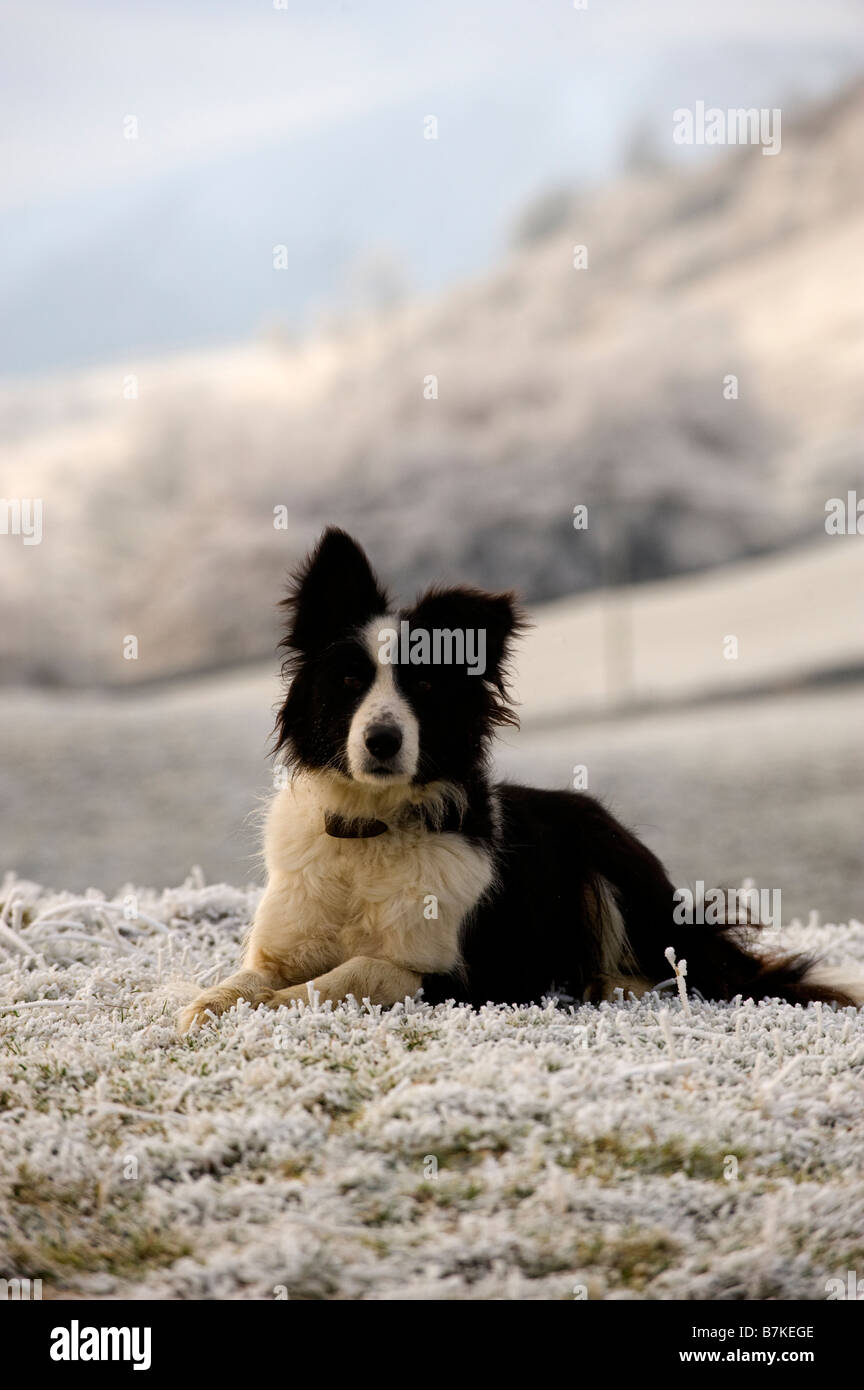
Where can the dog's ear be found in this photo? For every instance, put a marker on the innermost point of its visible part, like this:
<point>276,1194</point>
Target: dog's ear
<point>498,616</point>
<point>333,591</point>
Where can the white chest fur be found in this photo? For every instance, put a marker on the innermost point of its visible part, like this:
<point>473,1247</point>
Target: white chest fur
<point>400,896</point>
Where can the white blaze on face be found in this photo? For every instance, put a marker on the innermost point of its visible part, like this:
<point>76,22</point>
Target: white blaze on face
<point>383,703</point>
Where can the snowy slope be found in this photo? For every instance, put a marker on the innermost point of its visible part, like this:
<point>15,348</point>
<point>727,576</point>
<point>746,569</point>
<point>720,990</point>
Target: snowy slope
<point>556,387</point>
<point>794,617</point>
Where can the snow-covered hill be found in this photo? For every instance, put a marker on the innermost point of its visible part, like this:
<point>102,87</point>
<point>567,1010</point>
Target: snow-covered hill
<point>555,387</point>
<point>764,624</point>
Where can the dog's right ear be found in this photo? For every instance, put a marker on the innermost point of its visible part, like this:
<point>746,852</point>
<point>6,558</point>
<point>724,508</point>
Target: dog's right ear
<point>333,591</point>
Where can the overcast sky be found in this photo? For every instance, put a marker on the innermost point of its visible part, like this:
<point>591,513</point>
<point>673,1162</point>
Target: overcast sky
<point>303,126</point>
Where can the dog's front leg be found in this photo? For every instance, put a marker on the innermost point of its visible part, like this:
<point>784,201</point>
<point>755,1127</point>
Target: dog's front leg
<point>277,953</point>
<point>379,981</point>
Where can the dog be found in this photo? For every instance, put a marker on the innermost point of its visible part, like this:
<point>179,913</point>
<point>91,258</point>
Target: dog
<point>395,864</point>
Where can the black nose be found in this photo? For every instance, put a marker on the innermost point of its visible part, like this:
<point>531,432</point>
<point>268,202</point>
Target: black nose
<point>383,741</point>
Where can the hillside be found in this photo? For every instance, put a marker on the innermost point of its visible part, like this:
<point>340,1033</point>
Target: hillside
<point>555,387</point>
<point>795,618</point>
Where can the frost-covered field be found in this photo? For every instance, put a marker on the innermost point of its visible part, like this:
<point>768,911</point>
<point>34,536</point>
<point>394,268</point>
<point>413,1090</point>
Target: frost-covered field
<point>630,1150</point>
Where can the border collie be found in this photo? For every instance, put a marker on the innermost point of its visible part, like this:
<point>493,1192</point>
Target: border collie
<point>394,862</point>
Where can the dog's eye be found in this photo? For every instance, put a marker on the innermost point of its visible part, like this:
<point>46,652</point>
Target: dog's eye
<point>423,686</point>
<point>353,682</point>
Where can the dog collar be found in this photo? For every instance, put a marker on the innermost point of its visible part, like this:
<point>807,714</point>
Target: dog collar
<point>342,829</point>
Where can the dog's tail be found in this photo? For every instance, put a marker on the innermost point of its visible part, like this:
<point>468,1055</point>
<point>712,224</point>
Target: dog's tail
<point>637,918</point>
<point>720,966</point>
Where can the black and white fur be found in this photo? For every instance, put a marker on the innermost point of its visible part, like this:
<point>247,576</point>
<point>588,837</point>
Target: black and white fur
<point>395,863</point>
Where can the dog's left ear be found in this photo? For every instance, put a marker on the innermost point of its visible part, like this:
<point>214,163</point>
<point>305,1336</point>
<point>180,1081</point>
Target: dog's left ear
<point>498,616</point>
<point>333,591</point>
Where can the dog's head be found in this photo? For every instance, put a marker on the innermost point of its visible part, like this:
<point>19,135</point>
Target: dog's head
<point>387,697</point>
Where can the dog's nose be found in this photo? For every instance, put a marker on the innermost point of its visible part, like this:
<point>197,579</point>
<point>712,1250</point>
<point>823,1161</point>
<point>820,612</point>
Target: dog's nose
<point>383,740</point>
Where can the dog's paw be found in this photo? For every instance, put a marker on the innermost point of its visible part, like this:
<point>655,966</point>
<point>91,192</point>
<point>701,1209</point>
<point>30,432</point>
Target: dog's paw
<point>215,1002</point>
<point>196,1014</point>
